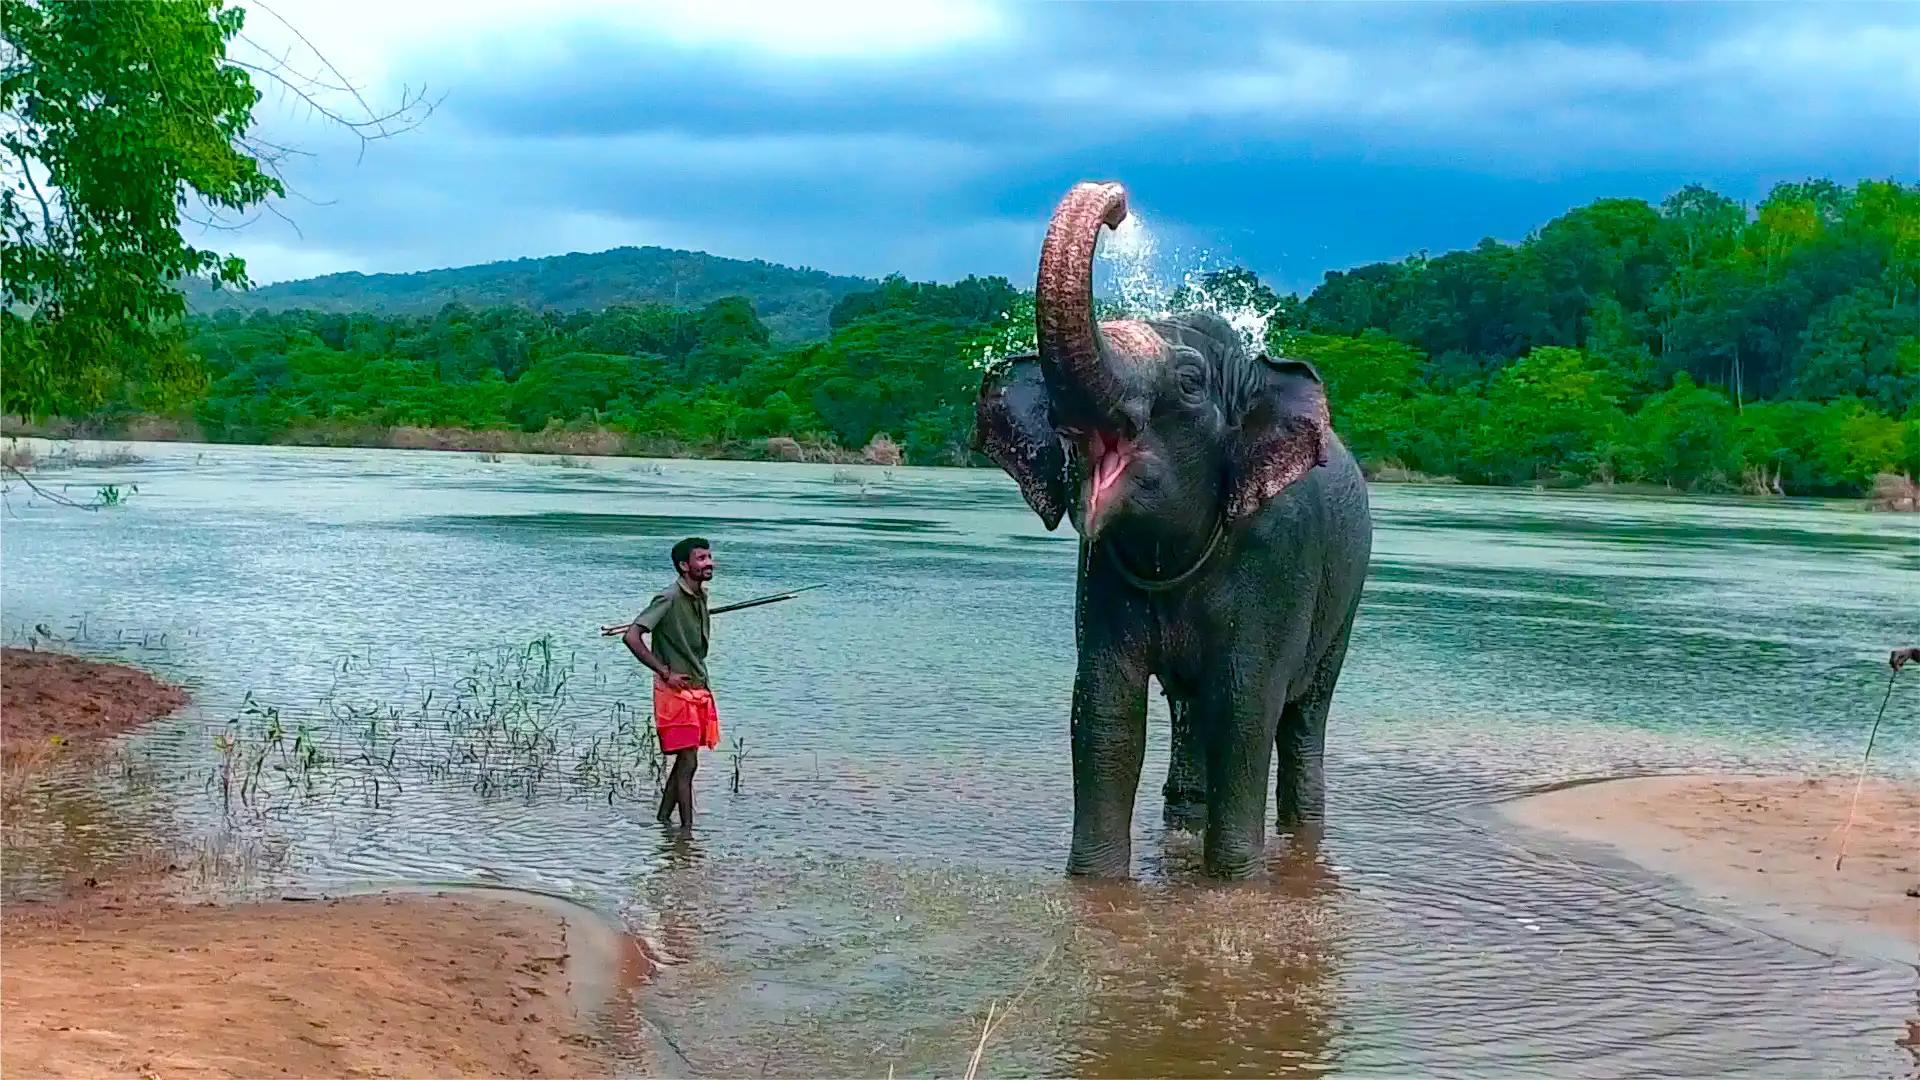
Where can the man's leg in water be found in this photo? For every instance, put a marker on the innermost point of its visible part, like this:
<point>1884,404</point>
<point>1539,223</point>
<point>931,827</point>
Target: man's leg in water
<point>670,790</point>
<point>667,789</point>
<point>690,759</point>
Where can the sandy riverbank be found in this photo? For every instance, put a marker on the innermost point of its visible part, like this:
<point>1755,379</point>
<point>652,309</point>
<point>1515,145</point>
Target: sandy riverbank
<point>127,980</point>
<point>413,985</point>
<point>1766,846</point>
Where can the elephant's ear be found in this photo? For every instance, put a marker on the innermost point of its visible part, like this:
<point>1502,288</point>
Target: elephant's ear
<point>1283,432</point>
<point>1013,426</point>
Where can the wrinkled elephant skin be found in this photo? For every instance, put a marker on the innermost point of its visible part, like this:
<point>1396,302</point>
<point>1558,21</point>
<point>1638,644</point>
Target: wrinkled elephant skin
<point>1225,534</point>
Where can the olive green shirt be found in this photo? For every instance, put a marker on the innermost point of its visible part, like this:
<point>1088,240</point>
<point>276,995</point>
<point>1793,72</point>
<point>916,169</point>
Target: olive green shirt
<point>678,623</point>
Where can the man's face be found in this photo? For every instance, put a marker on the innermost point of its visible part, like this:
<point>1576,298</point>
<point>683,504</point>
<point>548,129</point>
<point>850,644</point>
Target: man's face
<point>699,565</point>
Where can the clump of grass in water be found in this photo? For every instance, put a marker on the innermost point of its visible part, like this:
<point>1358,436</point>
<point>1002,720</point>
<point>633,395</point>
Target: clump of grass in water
<point>506,726</point>
<point>80,631</point>
<point>112,495</point>
<point>739,756</point>
<point>256,753</point>
<point>613,761</point>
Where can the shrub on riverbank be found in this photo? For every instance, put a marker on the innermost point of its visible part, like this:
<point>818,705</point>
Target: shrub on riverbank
<point>1892,492</point>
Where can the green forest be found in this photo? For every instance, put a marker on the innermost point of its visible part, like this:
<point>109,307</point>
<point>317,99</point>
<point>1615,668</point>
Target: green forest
<point>793,303</point>
<point>1696,345</point>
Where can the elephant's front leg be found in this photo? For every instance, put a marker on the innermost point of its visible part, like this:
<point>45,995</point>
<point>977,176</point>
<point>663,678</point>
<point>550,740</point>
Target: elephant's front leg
<point>1186,787</point>
<point>1239,747</point>
<point>1109,740</point>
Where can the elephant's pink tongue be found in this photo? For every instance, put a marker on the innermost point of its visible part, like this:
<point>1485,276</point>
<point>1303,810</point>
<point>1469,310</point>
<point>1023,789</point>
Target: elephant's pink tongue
<point>1109,453</point>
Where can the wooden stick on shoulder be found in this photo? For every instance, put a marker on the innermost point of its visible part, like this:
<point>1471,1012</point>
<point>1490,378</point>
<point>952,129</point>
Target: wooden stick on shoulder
<point>610,631</point>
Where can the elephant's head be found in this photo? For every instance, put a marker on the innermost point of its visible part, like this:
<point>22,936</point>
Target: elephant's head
<point>1163,423</point>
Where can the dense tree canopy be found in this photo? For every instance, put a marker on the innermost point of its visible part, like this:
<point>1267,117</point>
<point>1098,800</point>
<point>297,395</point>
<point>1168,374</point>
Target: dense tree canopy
<point>1694,345</point>
<point>1815,295</point>
<point>114,115</point>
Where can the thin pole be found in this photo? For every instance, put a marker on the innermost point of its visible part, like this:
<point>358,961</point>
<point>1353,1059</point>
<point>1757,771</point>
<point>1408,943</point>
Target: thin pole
<point>1861,782</point>
<point>610,631</point>
<point>774,599</point>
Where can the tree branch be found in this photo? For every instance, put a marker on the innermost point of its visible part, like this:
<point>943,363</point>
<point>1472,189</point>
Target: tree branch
<point>50,496</point>
<point>347,83</point>
<point>375,126</point>
<point>46,215</point>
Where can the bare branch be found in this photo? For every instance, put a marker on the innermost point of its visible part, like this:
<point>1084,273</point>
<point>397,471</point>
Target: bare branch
<point>267,150</point>
<point>375,126</point>
<point>284,61</point>
<point>212,221</point>
<point>323,59</point>
<point>292,224</point>
<point>50,496</point>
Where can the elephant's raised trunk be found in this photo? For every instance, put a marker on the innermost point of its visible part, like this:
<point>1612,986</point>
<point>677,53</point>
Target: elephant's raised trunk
<point>1069,338</point>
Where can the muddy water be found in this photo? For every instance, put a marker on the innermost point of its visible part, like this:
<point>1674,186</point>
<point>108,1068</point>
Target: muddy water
<point>889,870</point>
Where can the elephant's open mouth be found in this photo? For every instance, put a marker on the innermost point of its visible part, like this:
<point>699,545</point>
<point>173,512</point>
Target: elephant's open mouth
<point>1108,456</point>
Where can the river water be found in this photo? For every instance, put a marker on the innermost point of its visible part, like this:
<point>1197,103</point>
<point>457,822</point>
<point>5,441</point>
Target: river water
<point>891,865</point>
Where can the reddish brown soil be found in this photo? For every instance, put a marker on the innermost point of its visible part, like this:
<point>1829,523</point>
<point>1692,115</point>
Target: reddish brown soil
<point>123,980</point>
<point>396,986</point>
<point>48,698</point>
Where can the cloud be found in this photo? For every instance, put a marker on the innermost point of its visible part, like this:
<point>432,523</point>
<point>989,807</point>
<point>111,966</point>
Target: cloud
<point>837,30</point>
<point>933,137</point>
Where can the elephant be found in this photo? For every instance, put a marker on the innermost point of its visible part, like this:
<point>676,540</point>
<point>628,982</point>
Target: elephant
<point>1225,536</point>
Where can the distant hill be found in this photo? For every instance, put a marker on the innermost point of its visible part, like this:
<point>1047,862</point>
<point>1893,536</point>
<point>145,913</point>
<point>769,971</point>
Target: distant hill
<point>792,303</point>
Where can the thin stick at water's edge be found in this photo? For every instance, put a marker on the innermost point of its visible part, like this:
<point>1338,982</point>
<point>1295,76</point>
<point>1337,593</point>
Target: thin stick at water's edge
<point>1862,780</point>
<point>986,1029</point>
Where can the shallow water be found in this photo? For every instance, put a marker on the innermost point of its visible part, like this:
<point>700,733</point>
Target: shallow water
<point>891,868</point>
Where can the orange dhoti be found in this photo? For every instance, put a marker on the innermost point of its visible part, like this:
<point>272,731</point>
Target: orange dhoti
<point>685,718</point>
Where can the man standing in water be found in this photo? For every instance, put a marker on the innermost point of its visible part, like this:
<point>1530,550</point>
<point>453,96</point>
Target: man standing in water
<point>684,713</point>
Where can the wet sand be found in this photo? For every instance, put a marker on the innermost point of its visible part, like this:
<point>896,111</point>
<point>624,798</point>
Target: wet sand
<point>49,700</point>
<point>124,979</point>
<point>369,986</point>
<point>1764,846</point>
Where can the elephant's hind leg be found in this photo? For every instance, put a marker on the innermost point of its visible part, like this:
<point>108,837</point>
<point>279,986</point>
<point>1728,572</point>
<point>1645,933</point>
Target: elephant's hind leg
<point>1300,789</point>
<point>1186,787</point>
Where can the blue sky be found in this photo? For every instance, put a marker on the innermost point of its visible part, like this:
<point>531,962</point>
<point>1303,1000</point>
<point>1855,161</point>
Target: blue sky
<point>933,138</point>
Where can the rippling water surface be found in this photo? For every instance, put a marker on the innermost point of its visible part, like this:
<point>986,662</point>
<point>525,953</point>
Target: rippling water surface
<point>890,868</point>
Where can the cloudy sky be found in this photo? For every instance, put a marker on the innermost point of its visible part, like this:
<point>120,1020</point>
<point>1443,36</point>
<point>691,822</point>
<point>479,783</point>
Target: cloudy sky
<point>932,137</point>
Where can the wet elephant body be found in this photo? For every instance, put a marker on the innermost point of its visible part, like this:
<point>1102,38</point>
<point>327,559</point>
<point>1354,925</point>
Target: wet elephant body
<point>1225,537</point>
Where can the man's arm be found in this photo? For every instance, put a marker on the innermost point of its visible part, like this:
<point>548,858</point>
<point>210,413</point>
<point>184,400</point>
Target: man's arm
<point>1903,657</point>
<point>637,645</point>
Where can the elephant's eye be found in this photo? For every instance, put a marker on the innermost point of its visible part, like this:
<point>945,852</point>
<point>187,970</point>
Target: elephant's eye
<point>1193,382</point>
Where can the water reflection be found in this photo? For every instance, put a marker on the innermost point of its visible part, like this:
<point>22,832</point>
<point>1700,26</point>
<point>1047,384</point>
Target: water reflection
<point>678,906</point>
<point>65,827</point>
<point>1213,980</point>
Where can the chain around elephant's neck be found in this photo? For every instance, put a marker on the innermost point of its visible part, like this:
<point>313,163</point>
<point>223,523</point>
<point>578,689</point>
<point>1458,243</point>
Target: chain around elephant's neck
<point>1163,584</point>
